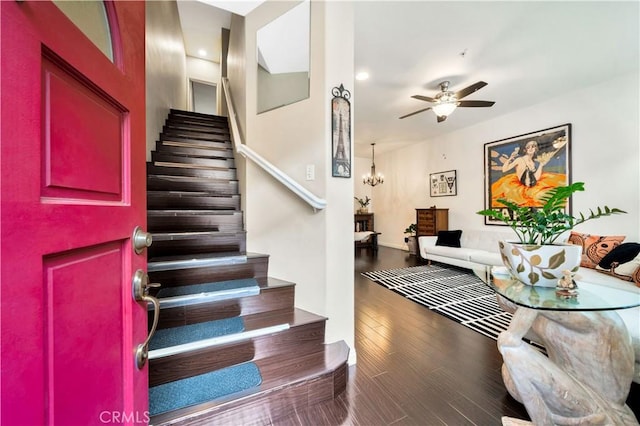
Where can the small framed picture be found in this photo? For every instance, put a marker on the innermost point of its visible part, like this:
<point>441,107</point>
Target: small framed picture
<point>443,184</point>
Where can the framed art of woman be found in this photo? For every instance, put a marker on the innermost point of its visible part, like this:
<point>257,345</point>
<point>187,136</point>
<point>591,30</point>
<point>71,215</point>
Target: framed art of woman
<point>524,168</point>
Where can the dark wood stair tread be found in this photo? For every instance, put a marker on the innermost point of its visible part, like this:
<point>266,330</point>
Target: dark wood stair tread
<point>220,142</point>
<point>192,183</point>
<point>182,113</point>
<point>192,151</point>
<point>169,169</point>
<point>189,235</point>
<point>211,146</point>
<point>215,259</point>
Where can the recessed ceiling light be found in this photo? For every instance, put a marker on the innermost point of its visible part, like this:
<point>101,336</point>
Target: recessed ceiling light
<point>202,52</point>
<point>362,76</point>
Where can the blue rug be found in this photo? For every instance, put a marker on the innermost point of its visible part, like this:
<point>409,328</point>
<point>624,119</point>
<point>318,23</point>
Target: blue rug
<point>202,388</point>
<point>167,337</point>
<point>207,287</point>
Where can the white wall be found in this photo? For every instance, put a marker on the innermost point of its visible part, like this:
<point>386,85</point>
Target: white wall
<point>166,71</point>
<point>313,250</point>
<point>361,166</point>
<point>605,151</point>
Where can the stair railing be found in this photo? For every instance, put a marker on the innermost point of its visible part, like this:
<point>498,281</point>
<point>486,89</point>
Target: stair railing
<point>242,149</point>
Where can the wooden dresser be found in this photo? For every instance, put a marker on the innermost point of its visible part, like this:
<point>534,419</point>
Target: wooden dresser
<point>363,222</point>
<point>430,221</point>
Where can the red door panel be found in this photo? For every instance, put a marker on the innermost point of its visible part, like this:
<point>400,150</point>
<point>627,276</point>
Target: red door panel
<point>71,298</point>
<point>72,189</point>
<point>74,114</point>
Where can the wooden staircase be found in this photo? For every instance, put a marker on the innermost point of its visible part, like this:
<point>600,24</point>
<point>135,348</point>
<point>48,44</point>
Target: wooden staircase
<point>199,257</point>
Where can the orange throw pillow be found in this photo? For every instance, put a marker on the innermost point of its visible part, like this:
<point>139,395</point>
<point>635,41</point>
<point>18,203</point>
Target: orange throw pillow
<point>594,247</point>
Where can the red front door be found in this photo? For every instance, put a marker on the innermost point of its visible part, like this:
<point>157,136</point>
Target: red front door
<point>72,156</point>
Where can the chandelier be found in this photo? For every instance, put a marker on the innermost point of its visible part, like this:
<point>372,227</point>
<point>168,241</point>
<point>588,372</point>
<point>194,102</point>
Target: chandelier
<point>373,178</point>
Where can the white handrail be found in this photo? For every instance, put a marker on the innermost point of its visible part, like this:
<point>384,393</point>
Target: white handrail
<point>242,149</point>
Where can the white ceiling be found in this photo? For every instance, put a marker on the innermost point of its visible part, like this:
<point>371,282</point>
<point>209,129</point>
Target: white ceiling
<point>527,52</point>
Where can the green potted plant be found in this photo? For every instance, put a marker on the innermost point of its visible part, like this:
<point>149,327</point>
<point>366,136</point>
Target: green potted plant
<point>410,239</point>
<point>364,204</point>
<point>535,259</point>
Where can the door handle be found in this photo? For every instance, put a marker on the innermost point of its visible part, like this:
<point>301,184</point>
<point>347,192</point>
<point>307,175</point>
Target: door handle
<point>141,240</point>
<point>141,288</point>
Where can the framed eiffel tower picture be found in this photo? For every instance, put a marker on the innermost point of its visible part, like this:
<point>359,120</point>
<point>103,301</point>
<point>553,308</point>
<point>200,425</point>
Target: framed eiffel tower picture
<point>340,133</point>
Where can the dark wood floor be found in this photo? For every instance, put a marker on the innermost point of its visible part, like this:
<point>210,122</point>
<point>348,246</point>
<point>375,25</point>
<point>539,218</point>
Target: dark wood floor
<point>415,367</point>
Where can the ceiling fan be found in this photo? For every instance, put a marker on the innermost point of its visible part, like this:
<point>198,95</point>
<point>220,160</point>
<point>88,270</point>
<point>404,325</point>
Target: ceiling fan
<point>446,101</point>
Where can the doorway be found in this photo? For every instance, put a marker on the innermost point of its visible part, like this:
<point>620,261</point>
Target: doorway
<point>204,97</point>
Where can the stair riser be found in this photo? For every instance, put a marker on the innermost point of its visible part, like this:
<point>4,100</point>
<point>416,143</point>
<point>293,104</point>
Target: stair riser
<point>231,245</point>
<point>270,299</point>
<point>158,157</point>
<point>168,183</point>
<point>254,268</point>
<point>193,314</point>
<point>225,143</point>
<point>186,222</point>
<point>194,151</point>
<point>212,127</point>
<point>229,174</point>
<point>169,369</point>
<point>195,136</point>
<point>179,201</point>
<point>195,116</point>
<point>202,121</point>
<point>301,340</point>
<point>205,130</point>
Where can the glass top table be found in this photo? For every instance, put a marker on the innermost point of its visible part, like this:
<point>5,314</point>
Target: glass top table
<point>590,296</point>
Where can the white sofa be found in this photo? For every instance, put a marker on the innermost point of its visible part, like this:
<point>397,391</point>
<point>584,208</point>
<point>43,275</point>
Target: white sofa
<point>480,248</point>
<point>477,249</point>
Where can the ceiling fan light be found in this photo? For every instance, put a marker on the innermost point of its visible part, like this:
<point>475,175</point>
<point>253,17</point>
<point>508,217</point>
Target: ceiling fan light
<point>443,109</point>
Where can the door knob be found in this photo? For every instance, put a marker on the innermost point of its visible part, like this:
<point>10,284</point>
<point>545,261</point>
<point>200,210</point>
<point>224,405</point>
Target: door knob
<point>141,288</point>
<point>141,240</point>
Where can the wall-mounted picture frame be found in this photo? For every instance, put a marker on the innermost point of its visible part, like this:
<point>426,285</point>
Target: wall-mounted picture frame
<point>443,184</point>
<point>340,133</point>
<point>524,168</point>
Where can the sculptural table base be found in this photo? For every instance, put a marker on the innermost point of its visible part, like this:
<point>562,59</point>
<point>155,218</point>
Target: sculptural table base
<point>586,377</point>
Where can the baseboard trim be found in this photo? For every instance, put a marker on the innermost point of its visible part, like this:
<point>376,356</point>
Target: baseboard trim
<point>402,247</point>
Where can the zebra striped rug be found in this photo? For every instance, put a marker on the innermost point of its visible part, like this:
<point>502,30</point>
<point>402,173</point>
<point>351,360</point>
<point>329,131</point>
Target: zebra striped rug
<point>453,292</point>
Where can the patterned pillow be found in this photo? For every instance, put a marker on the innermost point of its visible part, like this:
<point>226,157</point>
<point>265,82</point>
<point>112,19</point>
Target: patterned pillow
<point>594,247</point>
<point>636,277</point>
<point>624,253</point>
<point>623,270</point>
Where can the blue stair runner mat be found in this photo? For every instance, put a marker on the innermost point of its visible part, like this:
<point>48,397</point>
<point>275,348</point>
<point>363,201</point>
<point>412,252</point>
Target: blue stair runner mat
<point>207,287</point>
<point>167,337</point>
<point>205,387</point>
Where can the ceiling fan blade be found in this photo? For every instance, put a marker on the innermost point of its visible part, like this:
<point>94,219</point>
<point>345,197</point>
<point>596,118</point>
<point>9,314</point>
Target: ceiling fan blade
<point>423,98</point>
<point>416,112</point>
<point>441,118</point>
<point>469,90</point>
<point>475,103</point>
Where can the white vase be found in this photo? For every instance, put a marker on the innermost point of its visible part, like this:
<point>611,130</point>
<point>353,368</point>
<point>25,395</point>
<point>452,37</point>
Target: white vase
<point>540,265</point>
